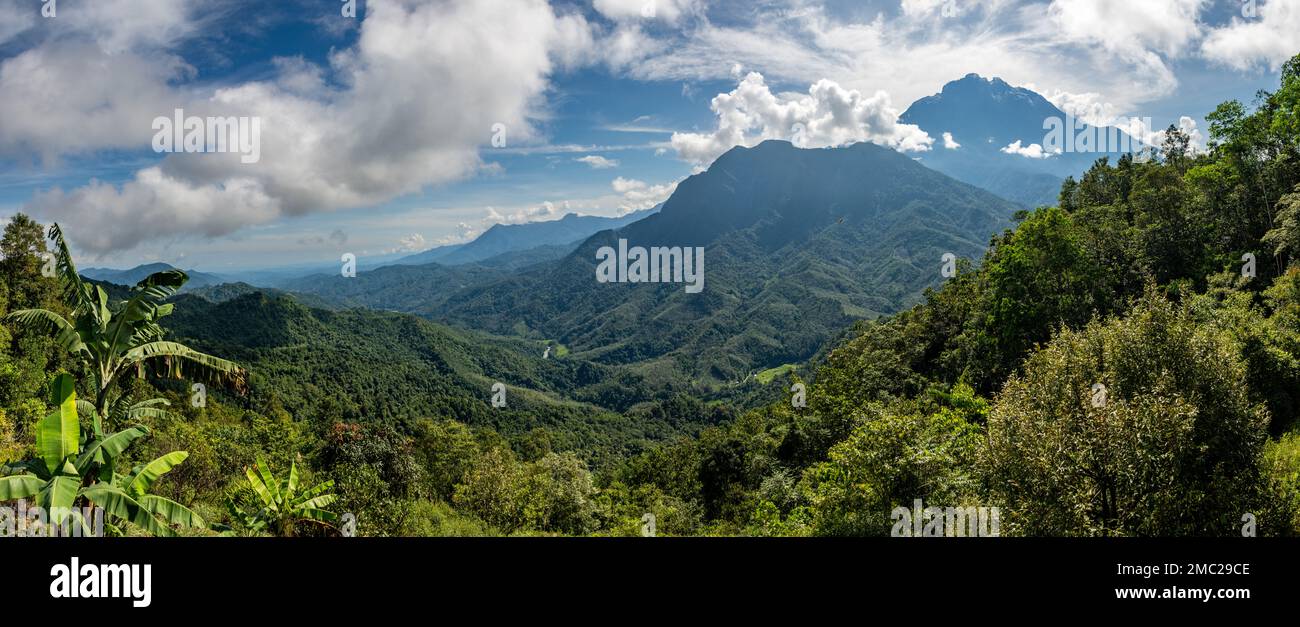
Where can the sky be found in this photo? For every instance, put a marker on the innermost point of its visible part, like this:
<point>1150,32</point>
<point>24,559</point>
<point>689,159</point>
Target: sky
<point>392,126</point>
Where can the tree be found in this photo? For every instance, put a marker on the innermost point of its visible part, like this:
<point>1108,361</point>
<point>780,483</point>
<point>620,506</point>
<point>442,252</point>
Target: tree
<point>118,339</point>
<point>893,457</point>
<point>1285,237</point>
<point>560,495</point>
<point>70,471</point>
<point>490,490</point>
<point>448,451</point>
<point>1034,279</point>
<point>1170,446</point>
<point>22,255</point>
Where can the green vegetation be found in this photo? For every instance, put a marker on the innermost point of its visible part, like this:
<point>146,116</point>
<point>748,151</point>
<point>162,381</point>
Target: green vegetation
<point>126,338</point>
<point>70,472</point>
<point>282,505</point>
<point>1126,363</point>
<point>765,377</point>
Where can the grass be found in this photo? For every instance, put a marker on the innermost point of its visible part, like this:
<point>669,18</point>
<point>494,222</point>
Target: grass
<point>767,376</point>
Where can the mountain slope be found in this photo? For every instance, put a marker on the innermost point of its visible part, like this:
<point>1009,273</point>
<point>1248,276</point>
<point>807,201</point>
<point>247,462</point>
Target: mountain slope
<point>512,238</point>
<point>799,244</point>
<point>362,365</point>
<point>985,116</point>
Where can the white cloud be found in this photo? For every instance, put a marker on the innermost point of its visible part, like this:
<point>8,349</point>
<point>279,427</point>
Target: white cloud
<point>638,195</point>
<point>949,142</point>
<point>72,98</point>
<point>362,139</point>
<point>1269,39</point>
<point>1130,28</point>
<point>828,115</point>
<point>544,211</point>
<point>102,218</point>
<point>410,244</point>
<point>1141,131</point>
<point>1090,108</point>
<point>1122,48</point>
<point>598,162</point>
<point>115,26</point>
<point>1032,151</point>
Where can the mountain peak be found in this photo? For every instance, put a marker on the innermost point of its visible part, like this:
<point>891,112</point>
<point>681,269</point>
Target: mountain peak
<point>974,85</point>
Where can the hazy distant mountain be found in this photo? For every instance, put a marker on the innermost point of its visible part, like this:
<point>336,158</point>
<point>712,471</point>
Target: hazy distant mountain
<point>799,244</point>
<point>134,275</point>
<point>985,116</point>
<point>509,238</point>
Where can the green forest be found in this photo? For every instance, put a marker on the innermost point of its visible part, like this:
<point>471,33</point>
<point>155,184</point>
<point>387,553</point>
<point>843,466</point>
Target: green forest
<point>1125,363</point>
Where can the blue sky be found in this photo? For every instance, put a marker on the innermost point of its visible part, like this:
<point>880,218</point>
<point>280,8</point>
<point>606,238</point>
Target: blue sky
<point>377,131</point>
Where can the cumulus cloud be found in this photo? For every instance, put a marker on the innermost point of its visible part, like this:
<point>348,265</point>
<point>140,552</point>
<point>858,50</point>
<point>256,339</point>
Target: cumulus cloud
<point>1132,28</point>
<point>1268,39</point>
<point>410,244</point>
<point>949,142</point>
<point>71,98</point>
<point>1032,151</point>
<point>828,115</point>
<point>638,195</point>
<point>361,139</point>
<point>1155,137</point>
<point>1090,108</point>
<point>598,162</point>
<point>545,210</point>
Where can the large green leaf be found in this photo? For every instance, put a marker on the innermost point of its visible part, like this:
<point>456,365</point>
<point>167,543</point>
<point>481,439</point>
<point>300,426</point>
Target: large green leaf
<point>19,487</point>
<point>58,496</point>
<point>142,307</point>
<point>172,512</point>
<point>316,503</point>
<point>85,407</point>
<point>75,293</point>
<point>110,447</point>
<point>140,483</point>
<point>102,313</point>
<point>181,360</point>
<point>318,515</point>
<point>290,484</point>
<point>136,413</point>
<point>58,436</point>
<point>118,503</point>
<point>51,324</point>
<point>316,490</point>
<point>259,486</point>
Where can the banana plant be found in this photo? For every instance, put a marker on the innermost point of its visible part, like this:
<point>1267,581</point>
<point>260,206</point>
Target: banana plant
<point>70,471</point>
<point>282,506</point>
<point>142,477</point>
<point>116,340</point>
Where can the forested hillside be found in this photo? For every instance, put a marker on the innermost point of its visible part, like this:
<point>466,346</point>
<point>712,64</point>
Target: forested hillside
<point>798,245</point>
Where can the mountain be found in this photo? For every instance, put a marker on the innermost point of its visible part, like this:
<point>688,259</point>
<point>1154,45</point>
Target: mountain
<point>509,238</point>
<point>135,275</point>
<point>985,116</point>
<point>413,289</point>
<point>798,244</point>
